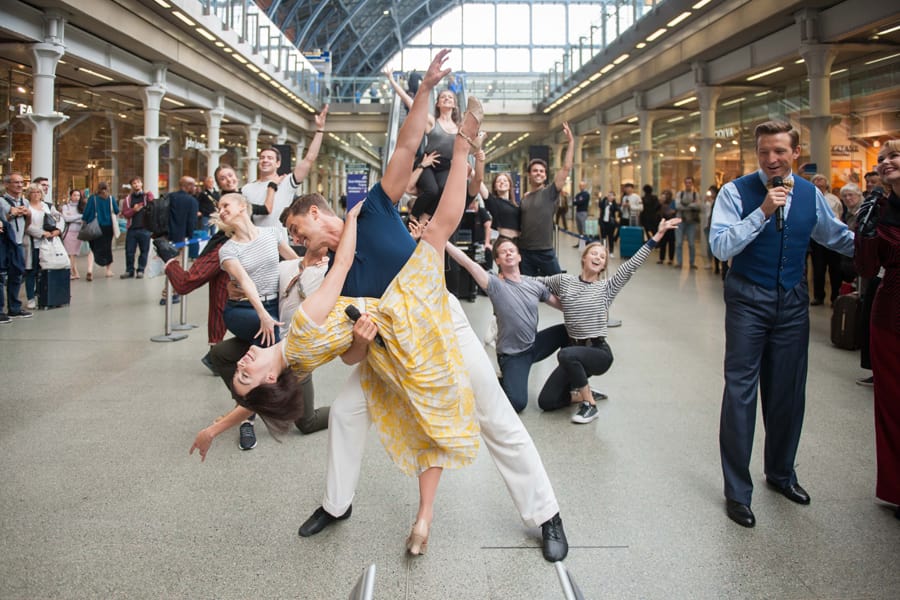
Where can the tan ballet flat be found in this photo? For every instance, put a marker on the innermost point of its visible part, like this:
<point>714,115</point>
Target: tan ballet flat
<point>476,111</point>
<point>417,542</point>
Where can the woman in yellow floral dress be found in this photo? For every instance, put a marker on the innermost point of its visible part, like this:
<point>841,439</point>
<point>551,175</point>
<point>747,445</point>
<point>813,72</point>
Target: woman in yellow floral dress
<point>417,390</point>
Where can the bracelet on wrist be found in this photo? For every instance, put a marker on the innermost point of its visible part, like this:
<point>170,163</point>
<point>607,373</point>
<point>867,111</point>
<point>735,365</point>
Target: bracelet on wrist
<point>320,131</point>
<point>272,186</point>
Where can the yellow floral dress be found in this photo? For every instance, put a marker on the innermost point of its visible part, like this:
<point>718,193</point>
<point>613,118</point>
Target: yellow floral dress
<point>416,387</point>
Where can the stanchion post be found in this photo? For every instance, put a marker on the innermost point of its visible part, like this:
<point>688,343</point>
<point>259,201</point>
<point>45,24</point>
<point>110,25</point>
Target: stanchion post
<point>168,335</point>
<point>610,321</point>
<point>183,325</point>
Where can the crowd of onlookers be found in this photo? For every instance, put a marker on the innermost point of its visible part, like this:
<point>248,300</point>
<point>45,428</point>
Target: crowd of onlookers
<point>518,234</point>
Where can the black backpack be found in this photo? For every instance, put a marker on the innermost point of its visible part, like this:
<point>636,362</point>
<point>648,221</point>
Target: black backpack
<point>156,216</point>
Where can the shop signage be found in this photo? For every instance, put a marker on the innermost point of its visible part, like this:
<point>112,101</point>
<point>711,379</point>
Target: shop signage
<point>498,168</point>
<point>23,109</point>
<point>192,144</point>
<point>725,133</point>
<point>844,149</point>
<point>623,152</point>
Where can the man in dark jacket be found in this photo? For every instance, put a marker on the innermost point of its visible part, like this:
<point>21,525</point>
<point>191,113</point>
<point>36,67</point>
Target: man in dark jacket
<point>183,209</point>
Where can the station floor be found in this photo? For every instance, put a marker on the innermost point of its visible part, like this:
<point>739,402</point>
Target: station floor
<point>100,498</point>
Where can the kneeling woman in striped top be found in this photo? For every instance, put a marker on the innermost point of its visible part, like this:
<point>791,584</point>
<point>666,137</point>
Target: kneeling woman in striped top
<point>250,257</point>
<point>585,300</point>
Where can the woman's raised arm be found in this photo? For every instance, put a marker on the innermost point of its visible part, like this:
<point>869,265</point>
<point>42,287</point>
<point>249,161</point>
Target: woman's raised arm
<point>319,304</point>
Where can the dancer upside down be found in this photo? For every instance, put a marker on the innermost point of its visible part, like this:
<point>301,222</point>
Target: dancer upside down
<point>417,388</point>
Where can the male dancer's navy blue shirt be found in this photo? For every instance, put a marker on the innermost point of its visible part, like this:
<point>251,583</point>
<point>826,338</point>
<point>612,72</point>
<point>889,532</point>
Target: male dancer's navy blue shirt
<point>383,245</point>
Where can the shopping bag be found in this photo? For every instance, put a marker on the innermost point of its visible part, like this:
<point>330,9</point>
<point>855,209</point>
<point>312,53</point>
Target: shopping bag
<point>52,254</point>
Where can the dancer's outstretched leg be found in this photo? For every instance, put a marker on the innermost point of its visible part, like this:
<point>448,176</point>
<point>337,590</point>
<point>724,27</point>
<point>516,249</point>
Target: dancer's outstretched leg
<point>417,542</point>
<point>453,200</point>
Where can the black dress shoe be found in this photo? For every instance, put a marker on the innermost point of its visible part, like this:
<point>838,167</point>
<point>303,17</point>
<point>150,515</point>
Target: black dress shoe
<point>740,513</point>
<point>793,492</point>
<point>165,249</point>
<point>320,520</point>
<point>555,545</point>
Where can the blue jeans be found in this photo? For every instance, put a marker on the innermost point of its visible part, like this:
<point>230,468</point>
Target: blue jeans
<point>241,319</point>
<point>13,281</point>
<point>539,262</point>
<point>688,230</point>
<point>516,367</point>
<point>134,239</point>
<point>31,274</point>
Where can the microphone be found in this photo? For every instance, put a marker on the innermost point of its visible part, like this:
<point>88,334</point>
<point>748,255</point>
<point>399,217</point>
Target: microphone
<point>353,313</point>
<point>869,208</point>
<point>875,194</point>
<point>777,181</point>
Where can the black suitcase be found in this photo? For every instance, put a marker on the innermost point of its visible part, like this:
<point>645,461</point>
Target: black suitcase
<point>846,328</point>
<point>54,288</point>
<point>459,282</point>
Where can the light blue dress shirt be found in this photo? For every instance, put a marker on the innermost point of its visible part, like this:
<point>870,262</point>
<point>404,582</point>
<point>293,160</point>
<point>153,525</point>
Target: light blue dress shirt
<point>729,234</point>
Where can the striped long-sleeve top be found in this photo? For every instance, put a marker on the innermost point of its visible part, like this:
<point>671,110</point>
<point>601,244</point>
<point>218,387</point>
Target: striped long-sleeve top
<point>586,304</point>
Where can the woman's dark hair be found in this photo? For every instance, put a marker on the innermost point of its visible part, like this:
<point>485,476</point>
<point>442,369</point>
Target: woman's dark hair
<point>280,404</point>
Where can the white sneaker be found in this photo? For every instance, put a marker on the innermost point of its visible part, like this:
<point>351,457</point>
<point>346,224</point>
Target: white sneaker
<point>30,304</point>
<point>587,412</point>
<point>611,255</point>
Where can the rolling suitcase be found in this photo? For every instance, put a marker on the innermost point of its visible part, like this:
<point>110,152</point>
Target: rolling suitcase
<point>53,288</point>
<point>846,328</point>
<point>630,240</point>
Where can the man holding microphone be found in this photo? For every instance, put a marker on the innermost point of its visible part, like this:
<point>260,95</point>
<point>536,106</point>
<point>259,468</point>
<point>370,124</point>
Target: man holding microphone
<point>763,222</point>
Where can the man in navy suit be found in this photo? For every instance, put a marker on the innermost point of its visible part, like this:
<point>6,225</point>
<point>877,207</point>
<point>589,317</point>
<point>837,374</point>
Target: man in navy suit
<point>763,222</point>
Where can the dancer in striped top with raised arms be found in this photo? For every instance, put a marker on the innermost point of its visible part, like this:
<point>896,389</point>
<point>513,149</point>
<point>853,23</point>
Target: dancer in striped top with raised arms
<point>585,299</point>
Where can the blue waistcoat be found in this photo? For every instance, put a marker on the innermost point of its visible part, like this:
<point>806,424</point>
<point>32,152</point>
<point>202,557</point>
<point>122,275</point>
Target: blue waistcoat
<point>776,257</point>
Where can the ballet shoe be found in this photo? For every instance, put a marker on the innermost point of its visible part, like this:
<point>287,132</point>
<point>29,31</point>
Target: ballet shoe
<point>417,542</point>
<point>476,111</point>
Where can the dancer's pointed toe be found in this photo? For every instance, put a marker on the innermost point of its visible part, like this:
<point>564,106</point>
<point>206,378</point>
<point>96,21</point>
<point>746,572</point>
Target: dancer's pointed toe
<point>417,542</point>
<point>470,127</point>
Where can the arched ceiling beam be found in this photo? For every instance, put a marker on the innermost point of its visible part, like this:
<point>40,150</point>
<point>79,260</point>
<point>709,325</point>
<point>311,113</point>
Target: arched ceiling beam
<point>313,19</point>
<point>425,23</point>
<point>272,11</point>
<point>292,13</point>
<point>337,33</point>
<point>357,43</point>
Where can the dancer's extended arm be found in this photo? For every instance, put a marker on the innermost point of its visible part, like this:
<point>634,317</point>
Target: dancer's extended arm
<point>305,166</point>
<point>568,161</point>
<point>320,303</point>
<point>475,270</point>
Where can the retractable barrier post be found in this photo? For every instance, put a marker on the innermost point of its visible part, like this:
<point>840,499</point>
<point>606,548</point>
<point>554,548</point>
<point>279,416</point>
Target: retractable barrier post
<point>610,321</point>
<point>183,325</point>
<point>168,336</point>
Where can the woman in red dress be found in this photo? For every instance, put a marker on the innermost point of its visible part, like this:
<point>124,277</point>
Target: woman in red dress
<point>877,246</point>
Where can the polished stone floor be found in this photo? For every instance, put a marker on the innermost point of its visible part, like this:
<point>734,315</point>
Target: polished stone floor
<point>100,499</point>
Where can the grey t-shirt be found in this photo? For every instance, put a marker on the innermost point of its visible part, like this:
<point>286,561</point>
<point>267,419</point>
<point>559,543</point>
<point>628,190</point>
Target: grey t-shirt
<point>516,306</point>
<point>538,209</point>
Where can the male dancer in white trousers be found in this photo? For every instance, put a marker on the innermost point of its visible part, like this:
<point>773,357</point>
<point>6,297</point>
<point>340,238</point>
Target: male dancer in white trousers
<point>383,246</point>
